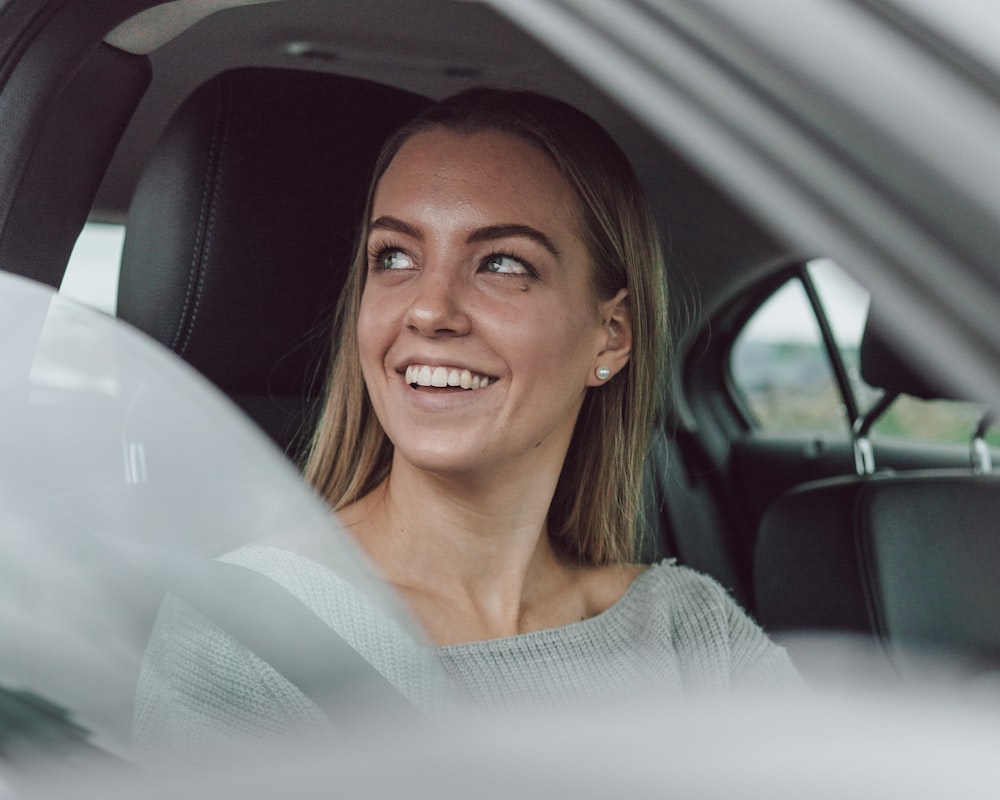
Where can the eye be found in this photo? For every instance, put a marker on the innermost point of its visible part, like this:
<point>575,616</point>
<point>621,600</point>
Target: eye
<point>390,258</point>
<point>506,265</point>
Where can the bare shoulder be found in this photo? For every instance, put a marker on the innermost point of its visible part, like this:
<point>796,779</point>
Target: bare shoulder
<point>605,586</point>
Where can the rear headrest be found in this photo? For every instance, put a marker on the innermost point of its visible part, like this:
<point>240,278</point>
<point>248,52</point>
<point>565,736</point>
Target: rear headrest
<point>884,367</point>
<point>911,557</point>
<point>242,225</point>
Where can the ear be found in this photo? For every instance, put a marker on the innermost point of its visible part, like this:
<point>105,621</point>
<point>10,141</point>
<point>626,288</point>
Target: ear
<point>616,326</point>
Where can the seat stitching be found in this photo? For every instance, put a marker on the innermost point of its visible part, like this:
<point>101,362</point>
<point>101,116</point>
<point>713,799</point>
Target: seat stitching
<point>867,559</point>
<point>197,272</point>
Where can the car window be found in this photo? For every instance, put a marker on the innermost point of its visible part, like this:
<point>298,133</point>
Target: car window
<point>92,272</point>
<point>782,368</point>
<point>782,372</point>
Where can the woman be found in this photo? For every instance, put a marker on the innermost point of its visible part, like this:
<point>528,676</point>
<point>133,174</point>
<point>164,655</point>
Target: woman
<point>499,360</point>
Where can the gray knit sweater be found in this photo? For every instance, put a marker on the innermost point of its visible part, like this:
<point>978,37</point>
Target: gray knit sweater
<point>674,631</point>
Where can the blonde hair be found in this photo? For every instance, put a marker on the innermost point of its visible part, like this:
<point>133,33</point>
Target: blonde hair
<point>595,510</point>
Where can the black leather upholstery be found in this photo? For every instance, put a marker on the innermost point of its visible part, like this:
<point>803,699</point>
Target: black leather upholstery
<point>242,226</point>
<point>69,153</point>
<point>931,544</point>
<point>911,558</point>
<point>807,573</point>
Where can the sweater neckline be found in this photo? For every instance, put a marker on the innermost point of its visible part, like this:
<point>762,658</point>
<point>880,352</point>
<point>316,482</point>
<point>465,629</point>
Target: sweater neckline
<point>616,609</point>
<point>621,606</point>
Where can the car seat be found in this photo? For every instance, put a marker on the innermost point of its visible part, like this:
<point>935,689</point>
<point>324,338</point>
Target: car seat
<point>239,235</point>
<point>242,226</point>
<point>910,558</point>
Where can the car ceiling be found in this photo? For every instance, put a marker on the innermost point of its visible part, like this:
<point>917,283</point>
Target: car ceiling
<point>434,47</point>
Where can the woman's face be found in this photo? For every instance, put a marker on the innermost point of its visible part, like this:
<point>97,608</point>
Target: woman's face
<point>479,330</point>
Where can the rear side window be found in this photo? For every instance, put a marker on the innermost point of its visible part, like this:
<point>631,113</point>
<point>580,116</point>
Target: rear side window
<point>790,379</point>
<point>782,372</point>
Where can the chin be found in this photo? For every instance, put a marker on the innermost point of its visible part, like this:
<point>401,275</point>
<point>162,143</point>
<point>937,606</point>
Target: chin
<point>439,460</point>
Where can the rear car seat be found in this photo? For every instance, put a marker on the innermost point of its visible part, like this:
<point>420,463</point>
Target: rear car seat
<point>909,558</point>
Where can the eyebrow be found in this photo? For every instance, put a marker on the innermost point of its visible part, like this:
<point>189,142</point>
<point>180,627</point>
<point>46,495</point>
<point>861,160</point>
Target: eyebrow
<point>397,225</point>
<point>492,232</point>
<point>488,234</point>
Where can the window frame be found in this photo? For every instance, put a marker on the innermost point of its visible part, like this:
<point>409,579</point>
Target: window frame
<point>800,272</point>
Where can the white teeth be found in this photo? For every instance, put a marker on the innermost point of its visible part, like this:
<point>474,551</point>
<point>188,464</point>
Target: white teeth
<point>423,375</point>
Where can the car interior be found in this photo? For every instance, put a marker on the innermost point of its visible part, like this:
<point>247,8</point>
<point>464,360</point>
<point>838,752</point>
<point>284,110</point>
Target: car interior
<point>899,555</point>
<point>235,148</point>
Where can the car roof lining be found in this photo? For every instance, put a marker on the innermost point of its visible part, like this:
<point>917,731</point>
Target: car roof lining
<point>715,248</point>
<point>151,29</point>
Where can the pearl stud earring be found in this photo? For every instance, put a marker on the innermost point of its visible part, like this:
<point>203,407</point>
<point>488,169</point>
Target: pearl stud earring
<point>602,373</point>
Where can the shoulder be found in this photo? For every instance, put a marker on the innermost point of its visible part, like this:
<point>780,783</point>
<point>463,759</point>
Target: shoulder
<point>298,575</point>
<point>702,614</point>
<point>663,602</point>
<point>360,610</point>
<point>605,586</point>
<point>670,585</point>
<point>662,583</point>
<point>692,603</point>
<point>695,605</point>
<point>344,597</point>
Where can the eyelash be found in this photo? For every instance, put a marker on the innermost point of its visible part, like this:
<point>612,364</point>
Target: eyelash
<point>377,253</point>
<point>530,271</point>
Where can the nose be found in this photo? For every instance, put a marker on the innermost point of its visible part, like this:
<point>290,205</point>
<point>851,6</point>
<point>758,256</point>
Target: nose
<point>437,307</point>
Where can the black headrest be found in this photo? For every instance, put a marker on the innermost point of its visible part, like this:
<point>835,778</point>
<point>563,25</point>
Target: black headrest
<point>885,367</point>
<point>911,557</point>
<point>931,549</point>
<point>243,222</point>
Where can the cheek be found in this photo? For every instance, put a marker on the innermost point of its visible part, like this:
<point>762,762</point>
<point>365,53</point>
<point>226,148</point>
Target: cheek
<point>561,345</point>
<point>370,333</point>
<point>371,358</point>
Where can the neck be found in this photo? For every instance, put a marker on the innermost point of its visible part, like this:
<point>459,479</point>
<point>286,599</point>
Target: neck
<point>478,548</point>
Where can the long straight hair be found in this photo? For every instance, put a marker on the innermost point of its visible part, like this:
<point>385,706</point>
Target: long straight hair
<point>595,509</point>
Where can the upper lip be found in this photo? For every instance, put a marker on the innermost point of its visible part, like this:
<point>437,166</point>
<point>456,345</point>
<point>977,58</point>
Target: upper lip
<point>439,362</point>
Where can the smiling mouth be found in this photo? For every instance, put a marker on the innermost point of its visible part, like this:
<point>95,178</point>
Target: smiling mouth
<point>446,377</point>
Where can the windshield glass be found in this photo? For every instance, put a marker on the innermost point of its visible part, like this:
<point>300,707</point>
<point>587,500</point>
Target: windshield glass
<point>969,24</point>
<point>124,476</point>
